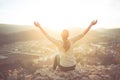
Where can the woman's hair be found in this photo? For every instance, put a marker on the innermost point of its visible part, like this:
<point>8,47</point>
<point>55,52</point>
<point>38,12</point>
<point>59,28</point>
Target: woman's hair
<point>65,35</point>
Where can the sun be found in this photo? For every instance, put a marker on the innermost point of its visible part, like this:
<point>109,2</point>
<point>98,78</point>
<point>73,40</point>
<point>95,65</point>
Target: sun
<point>58,15</point>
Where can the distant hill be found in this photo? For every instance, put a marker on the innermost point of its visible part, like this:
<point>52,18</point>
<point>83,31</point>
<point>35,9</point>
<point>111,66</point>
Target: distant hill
<point>13,33</point>
<point>19,36</point>
<point>10,28</point>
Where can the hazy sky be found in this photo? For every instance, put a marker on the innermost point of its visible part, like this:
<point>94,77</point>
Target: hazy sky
<point>61,13</point>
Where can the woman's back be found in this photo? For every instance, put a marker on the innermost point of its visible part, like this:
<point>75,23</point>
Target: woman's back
<point>66,57</point>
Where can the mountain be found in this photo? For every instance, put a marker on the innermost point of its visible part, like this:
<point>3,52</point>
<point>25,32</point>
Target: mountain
<point>19,36</point>
<point>10,33</point>
<point>13,33</point>
<point>10,28</point>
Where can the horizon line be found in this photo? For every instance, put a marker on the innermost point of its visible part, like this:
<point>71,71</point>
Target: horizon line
<point>48,27</point>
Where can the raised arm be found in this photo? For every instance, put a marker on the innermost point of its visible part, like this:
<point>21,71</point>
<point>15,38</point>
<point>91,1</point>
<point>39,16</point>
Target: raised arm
<point>76,38</point>
<point>46,35</point>
<point>91,24</point>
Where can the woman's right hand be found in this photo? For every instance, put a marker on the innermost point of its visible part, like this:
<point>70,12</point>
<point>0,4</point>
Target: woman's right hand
<point>36,24</point>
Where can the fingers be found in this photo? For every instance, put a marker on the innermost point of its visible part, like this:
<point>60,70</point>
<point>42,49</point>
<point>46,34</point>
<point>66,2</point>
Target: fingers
<point>36,23</point>
<point>95,21</point>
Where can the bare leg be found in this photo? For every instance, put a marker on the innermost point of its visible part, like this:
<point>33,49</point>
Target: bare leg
<point>56,62</point>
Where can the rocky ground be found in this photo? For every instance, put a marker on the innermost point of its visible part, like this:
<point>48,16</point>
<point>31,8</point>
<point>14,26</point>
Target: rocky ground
<point>96,61</point>
<point>87,72</point>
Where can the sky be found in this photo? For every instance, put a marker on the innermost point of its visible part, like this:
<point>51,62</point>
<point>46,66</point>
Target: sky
<point>59,14</point>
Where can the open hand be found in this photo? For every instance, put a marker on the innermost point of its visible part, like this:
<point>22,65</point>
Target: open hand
<point>93,22</point>
<point>36,24</point>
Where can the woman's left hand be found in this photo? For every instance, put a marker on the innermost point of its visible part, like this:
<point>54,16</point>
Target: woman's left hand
<point>93,22</point>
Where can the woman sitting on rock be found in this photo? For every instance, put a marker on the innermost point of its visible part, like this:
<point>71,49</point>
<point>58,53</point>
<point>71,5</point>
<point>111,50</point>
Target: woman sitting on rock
<point>65,60</point>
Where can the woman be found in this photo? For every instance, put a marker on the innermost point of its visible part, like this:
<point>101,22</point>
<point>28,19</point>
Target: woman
<point>65,60</point>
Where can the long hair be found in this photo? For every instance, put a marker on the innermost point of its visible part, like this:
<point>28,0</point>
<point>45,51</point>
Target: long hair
<point>66,42</point>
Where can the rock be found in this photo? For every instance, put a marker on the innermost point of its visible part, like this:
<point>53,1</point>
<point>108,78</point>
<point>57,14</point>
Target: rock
<point>28,77</point>
<point>84,78</point>
<point>41,78</point>
<point>106,77</point>
<point>95,77</point>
